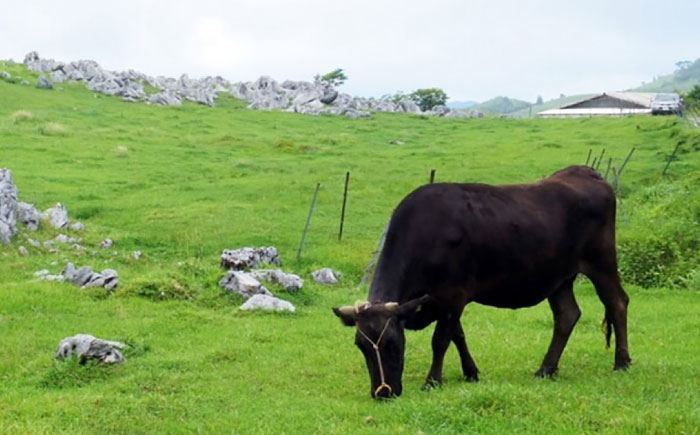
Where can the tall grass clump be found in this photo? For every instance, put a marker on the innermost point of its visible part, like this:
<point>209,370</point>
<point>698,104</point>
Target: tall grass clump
<point>657,250</point>
<point>21,115</point>
<point>53,129</point>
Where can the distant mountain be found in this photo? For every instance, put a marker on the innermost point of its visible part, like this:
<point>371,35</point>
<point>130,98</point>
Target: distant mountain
<point>502,105</point>
<point>551,104</point>
<point>461,104</point>
<point>682,80</point>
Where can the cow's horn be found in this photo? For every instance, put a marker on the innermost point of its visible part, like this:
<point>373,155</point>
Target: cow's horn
<point>391,306</point>
<point>347,310</point>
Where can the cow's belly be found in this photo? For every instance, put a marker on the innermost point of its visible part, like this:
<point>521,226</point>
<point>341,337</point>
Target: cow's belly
<point>517,295</point>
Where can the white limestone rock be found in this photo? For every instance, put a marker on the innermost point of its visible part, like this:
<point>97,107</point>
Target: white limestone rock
<point>287,280</point>
<point>245,258</point>
<point>28,215</point>
<point>242,283</point>
<point>265,302</point>
<point>8,206</point>
<point>85,347</point>
<point>326,276</point>
<point>57,216</point>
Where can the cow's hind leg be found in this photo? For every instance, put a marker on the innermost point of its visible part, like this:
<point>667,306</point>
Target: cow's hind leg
<point>610,292</point>
<point>566,313</point>
<point>471,373</point>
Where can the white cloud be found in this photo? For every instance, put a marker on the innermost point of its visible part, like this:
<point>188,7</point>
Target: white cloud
<point>472,49</point>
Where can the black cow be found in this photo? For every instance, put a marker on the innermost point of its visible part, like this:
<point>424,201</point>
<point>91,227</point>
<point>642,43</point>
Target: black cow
<point>505,246</point>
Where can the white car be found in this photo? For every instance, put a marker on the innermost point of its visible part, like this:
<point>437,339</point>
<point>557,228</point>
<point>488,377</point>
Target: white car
<point>667,104</point>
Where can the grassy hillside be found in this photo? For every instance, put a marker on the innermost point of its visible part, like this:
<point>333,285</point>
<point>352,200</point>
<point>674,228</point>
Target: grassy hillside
<point>183,183</point>
<point>681,80</point>
<point>502,105</point>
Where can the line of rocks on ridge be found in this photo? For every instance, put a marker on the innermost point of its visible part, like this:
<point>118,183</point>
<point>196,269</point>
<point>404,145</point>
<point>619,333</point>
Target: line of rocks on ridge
<point>310,98</point>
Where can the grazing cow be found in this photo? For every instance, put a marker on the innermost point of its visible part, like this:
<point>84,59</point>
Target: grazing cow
<point>505,246</point>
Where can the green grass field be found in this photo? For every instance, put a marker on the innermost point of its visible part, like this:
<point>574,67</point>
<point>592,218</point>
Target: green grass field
<point>183,183</point>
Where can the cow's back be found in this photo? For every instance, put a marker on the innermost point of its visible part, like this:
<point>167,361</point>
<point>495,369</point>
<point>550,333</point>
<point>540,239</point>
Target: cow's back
<point>507,246</point>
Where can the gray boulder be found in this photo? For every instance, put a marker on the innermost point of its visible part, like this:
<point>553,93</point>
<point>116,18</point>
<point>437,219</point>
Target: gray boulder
<point>57,216</point>
<point>23,251</point>
<point>166,98</point>
<point>329,96</point>
<point>266,302</point>
<point>28,215</point>
<point>8,206</point>
<point>43,83</point>
<point>4,75</point>
<point>246,258</point>
<point>85,347</point>
<point>439,110</point>
<point>407,105</point>
<point>77,226</point>
<point>326,276</point>
<point>287,280</point>
<point>243,284</point>
<point>86,278</point>
<point>354,114</point>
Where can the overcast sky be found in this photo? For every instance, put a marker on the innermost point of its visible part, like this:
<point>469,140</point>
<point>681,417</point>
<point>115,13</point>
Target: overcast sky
<point>474,50</point>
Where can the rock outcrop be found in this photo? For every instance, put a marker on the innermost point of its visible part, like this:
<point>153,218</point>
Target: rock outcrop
<point>86,347</point>
<point>265,302</point>
<point>247,258</point>
<point>8,206</point>
<point>310,98</point>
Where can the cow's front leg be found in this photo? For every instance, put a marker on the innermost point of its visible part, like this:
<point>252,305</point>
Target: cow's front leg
<point>441,340</point>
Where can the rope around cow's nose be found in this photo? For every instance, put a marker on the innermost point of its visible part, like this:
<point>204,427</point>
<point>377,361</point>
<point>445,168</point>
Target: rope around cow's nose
<point>379,358</point>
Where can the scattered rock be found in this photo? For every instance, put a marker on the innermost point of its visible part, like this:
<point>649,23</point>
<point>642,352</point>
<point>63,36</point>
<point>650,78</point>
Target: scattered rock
<point>245,258</point>
<point>28,215</point>
<point>86,278</point>
<point>4,75</point>
<point>8,206</point>
<point>396,142</point>
<point>326,276</point>
<point>77,226</point>
<point>242,283</point>
<point>287,280</point>
<point>23,251</point>
<point>34,243</point>
<point>43,83</point>
<point>45,275</point>
<point>136,255</point>
<point>62,238</point>
<point>106,243</point>
<point>85,347</point>
<point>265,302</point>
<point>57,216</point>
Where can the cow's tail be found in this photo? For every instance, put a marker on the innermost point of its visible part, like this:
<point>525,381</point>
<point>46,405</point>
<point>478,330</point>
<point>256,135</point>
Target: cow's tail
<point>606,326</point>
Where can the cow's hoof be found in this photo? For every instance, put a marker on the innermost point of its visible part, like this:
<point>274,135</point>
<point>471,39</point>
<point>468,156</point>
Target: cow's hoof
<point>623,365</point>
<point>431,384</point>
<point>546,372</point>
<point>471,377</point>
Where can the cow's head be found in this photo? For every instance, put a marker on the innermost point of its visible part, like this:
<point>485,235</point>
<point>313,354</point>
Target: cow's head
<point>380,337</point>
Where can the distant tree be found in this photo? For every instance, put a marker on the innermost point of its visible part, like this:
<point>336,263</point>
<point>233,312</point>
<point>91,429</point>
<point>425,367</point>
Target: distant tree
<point>334,78</point>
<point>692,98</point>
<point>539,99</point>
<point>683,64</point>
<point>429,98</point>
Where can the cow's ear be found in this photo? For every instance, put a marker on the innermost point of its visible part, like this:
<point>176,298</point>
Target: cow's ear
<point>411,307</point>
<point>346,315</point>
